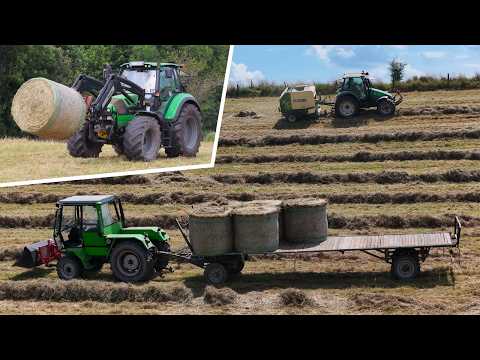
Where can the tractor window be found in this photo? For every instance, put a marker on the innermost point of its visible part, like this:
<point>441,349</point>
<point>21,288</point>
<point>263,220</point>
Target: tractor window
<point>90,217</point>
<point>68,217</point>
<point>144,79</point>
<point>167,82</point>
<point>109,214</point>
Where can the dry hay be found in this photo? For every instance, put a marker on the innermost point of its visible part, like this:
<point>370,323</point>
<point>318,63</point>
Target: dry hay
<point>334,139</point>
<point>219,296</point>
<point>81,290</point>
<point>118,180</point>
<point>252,114</point>
<point>382,302</point>
<point>439,110</point>
<point>384,177</point>
<point>363,156</point>
<point>295,297</point>
<point>10,253</point>
<point>48,109</point>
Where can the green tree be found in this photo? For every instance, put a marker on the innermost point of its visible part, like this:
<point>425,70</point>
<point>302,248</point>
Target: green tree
<point>397,71</point>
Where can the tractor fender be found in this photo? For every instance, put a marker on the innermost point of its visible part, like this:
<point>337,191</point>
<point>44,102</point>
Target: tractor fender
<point>384,98</point>
<point>114,239</point>
<point>176,104</point>
<point>345,94</point>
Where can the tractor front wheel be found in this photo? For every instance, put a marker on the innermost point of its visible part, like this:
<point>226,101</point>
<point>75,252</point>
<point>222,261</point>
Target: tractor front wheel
<point>188,132</point>
<point>346,106</point>
<point>386,107</point>
<point>79,145</point>
<point>142,140</point>
<point>69,267</point>
<point>131,262</point>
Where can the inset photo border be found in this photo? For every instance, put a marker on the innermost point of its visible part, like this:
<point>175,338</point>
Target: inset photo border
<point>53,144</point>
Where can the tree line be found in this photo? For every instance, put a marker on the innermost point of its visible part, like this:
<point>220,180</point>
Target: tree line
<point>205,65</point>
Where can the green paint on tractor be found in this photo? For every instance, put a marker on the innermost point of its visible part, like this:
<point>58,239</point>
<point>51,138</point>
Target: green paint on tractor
<point>174,105</point>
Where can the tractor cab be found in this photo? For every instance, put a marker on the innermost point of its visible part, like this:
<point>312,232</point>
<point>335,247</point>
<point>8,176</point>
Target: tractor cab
<point>357,83</point>
<point>84,221</point>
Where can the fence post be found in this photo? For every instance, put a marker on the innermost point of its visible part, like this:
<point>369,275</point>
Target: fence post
<point>251,83</point>
<point>448,80</point>
<point>238,90</point>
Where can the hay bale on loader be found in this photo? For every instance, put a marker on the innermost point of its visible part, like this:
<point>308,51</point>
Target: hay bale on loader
<point>255,229</point>
<point>276,204</point>
<point>210,230</point>
<point>305,220</point>
<point>48,109</point>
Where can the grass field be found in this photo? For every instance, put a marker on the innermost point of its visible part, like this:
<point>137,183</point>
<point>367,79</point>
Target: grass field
<point>429,187</point>
<point>52,160</point>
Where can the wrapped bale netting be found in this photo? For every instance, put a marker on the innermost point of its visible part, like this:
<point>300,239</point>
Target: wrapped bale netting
<point>48,109</point>
<point>210,231</point>
<point>305,220</point>
<point>273,203</point>
<point>255,229</point>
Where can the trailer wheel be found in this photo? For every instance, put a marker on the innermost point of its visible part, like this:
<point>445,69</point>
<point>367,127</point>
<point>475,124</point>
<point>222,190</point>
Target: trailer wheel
<point>405,266</point>
<point>130,262</point>
<point>69,267</point>
<point>215,274</point>
<point>291,118</point>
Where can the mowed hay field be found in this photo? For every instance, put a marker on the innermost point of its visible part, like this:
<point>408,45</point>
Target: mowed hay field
<point>25,159</point>
<point>406,174</point>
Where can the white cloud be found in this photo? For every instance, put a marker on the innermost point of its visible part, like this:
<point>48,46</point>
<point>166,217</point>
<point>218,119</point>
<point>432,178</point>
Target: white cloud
<point>434,54</point>
<point>410,72</point>
<point>323,52</point>
<point>239,74</point>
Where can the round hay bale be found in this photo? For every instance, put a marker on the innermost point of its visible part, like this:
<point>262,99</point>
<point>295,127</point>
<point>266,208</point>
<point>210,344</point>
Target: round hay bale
<point>276,204</point>
<point>305,220</point>
<point>210,231</point>
<point>255,229</point>
<point>48,109</point>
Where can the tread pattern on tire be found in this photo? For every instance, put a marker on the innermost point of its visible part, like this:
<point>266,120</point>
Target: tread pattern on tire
<point>79,146</point>
<point>179,148</point>
<point>133,138</point>
<point>149,271</point>
<point>337,106</point>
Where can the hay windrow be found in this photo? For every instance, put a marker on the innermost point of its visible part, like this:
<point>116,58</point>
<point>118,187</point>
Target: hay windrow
<point>10,253</point>
<point>219,296</point>
<point>384,177</point>
<point>81,290</point>
<point>363,156</point>
<point>295,297</point>
<point>333,139</point>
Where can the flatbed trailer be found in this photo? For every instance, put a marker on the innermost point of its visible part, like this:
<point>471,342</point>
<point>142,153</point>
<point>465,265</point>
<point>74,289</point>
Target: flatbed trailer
<point>404,252</point>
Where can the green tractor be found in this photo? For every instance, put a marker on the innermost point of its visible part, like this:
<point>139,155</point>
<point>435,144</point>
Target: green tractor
<point>356,92</point>
<point>139,110</point>
<point>90,231</point>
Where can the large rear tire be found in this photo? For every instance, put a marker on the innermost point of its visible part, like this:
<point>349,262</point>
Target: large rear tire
<point>346,107</point>
<point>130,262</point>
<point>142,139</point>
<point>188,132</point>
<point>80,146</point>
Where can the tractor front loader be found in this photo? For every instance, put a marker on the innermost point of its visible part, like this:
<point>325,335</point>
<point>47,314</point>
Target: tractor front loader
<point>90,231</point>
<point>139,110</point>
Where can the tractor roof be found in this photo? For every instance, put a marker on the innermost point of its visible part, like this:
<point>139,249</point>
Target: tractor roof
<point>87,199</point>
<point>146,64</point>
<point>361,74</point>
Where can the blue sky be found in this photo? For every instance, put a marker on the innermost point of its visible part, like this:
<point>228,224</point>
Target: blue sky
<point>323,63</point>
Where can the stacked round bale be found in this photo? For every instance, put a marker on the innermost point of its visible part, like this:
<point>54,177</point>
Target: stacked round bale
<point>305,220</point>
<point>256,227</point>
<point>48,109</point>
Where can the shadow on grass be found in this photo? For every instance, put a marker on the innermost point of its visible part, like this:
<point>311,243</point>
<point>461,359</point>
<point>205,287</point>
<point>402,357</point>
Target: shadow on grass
<point>305,123</point>
<point>35,273</point>
<point>361,119</point>
<point>326,280</point>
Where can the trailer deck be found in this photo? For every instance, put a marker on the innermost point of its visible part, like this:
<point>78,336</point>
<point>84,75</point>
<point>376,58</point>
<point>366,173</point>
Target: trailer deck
<point>372,242</point>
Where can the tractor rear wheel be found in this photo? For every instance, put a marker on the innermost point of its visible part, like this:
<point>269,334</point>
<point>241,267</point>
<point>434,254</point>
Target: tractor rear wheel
<point>118,149</point>
<point>142,139</point>
<point>130,262</point>
<point>69,267</point>
<point>346,106</point>
<point>80,146</point>
<point>188,132</point>
<point>386,107</point>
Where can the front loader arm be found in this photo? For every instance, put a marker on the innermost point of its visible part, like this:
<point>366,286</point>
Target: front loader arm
<point>115,85</point>
<point>85,83</point>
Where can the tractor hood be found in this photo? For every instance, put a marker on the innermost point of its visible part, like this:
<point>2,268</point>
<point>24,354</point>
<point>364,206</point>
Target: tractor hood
<point>153,232</point>
<point>377,93</point>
